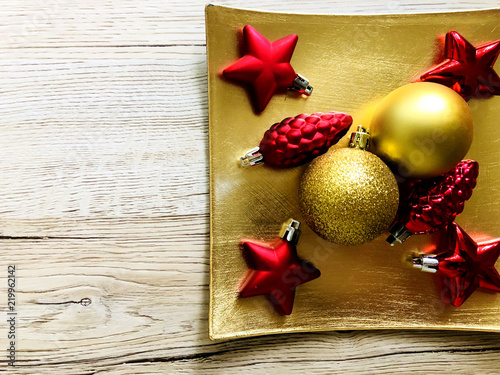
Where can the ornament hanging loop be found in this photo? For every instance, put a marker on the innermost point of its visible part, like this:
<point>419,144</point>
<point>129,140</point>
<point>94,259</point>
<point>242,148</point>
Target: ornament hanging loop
<point>290,231</point>
<point>360,138</point>
<point>426,263</point>
<point>301,84</point>
<point>252,157</point>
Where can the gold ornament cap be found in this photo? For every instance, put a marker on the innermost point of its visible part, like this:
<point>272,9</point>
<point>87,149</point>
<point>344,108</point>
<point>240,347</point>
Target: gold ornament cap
<point>399,234</point>
<point>360,138</point>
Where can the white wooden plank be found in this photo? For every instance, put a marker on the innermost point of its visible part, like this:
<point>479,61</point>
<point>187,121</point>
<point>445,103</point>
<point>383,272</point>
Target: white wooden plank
<point>84,137</point>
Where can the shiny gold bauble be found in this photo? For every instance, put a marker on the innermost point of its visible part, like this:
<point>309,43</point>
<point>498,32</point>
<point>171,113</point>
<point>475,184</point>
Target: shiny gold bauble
<point>422,129</point>
<point>348,196</point>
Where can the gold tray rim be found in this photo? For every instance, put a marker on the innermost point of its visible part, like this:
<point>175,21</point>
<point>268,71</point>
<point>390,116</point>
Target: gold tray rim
<point>218,336</point>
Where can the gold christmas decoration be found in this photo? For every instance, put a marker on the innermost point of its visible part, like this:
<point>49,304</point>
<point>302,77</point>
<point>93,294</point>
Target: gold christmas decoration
<point>349,196</point>
<point>422,129</point>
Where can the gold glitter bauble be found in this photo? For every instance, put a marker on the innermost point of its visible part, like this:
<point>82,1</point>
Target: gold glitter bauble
<point>422,129</point>
<point>348,196</point>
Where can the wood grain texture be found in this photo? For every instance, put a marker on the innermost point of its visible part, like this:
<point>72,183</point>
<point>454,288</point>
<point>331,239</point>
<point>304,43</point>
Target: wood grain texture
<point>104,199</point>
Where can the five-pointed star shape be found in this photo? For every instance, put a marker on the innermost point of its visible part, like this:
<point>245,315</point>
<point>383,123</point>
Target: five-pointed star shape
<point>466,69</point>
<point>466,265</point>
<point>265,66</point>
<point>275,271</point>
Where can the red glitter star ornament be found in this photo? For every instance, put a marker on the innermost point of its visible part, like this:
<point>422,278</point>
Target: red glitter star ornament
<point>276,270</point>
<point>466,69</point>
<point>463,266</point>
<point>266,67</point>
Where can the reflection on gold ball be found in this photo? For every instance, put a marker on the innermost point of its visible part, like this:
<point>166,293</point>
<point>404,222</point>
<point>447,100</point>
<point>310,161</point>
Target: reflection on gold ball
<point>423,129</point>
<point>348,196</point>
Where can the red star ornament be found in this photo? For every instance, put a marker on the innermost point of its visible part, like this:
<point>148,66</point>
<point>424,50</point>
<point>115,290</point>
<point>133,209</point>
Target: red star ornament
<point>466,69</point>
<point>266,66</point>
<point>275,271</point>
<point>466,265</point>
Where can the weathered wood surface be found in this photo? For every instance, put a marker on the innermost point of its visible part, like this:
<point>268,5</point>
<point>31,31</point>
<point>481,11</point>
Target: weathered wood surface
<point>104,201</point>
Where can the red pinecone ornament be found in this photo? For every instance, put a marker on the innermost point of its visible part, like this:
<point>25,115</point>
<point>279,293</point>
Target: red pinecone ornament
<point>433,204</point>
<point>298,140</point>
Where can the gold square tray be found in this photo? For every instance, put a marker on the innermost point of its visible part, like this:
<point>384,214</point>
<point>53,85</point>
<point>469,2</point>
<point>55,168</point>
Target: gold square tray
<point>352,61</point>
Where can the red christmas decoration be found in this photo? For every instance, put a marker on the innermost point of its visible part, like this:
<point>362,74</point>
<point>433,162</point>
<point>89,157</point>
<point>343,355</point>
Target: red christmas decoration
<point>467,69</point>
<point>276,270</point>
<point>266,67</point>
<point>433,204</point>
<point>298,140</point>
<point>463,266</point>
